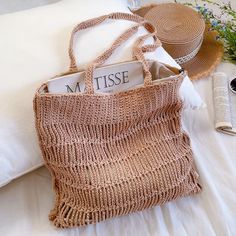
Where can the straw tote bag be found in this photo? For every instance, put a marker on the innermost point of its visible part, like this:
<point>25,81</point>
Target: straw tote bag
<point>112,154</point>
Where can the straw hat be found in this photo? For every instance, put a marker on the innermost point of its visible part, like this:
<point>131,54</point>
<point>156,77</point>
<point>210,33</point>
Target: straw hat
<point>185,37</point>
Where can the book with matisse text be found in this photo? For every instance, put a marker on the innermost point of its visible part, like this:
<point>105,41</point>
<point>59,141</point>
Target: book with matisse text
<point>109,79</point>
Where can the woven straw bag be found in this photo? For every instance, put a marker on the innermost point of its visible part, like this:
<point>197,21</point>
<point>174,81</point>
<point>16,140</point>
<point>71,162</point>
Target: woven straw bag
<point>112,154</point>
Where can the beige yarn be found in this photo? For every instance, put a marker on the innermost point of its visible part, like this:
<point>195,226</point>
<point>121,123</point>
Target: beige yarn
<point>113,154</point>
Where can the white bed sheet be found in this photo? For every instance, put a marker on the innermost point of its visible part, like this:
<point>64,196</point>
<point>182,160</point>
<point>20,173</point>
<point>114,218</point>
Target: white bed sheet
<point>25,203</point>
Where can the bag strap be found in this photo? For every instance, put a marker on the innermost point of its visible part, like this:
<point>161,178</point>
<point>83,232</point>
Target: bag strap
<point>138,52</point>
<point>93,22</point>
<point>138,55</point>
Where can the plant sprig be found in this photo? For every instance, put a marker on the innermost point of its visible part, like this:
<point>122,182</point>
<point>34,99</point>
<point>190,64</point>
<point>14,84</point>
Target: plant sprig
<point>224,23</point>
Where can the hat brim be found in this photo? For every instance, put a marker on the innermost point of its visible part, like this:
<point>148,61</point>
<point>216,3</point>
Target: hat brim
<point>208,57</point>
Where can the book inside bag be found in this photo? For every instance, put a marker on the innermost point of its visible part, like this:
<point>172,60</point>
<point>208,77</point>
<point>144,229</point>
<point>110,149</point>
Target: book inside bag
<point>112,78</point>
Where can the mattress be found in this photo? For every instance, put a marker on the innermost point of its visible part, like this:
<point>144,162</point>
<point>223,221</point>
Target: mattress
<point>26,202</point>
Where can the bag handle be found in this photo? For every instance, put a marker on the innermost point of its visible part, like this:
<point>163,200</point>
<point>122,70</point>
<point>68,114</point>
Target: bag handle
<point>137,54</point>
<point>138,51</point>
<point>93,22</point>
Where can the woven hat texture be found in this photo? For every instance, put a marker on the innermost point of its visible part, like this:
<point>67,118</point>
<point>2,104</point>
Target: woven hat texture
<point>113,154</point>
<point>185,37</point>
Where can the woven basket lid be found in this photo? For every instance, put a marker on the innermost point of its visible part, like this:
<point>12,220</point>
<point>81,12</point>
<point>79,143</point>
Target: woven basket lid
<point>182,25</point>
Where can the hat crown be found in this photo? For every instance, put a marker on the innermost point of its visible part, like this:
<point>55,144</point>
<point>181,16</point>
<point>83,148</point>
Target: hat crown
<point>183,35</point>
<point>176,23</point>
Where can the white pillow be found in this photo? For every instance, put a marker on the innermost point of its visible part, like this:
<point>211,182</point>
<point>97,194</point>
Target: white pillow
<point>33,49</point>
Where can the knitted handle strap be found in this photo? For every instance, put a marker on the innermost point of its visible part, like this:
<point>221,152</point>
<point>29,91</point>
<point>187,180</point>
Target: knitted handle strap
<point>94,22</point>
<point>138,50</point>
<point>138,54</point>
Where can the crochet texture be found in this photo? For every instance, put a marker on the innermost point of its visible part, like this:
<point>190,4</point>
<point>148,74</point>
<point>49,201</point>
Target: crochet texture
<point>113,154</point>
